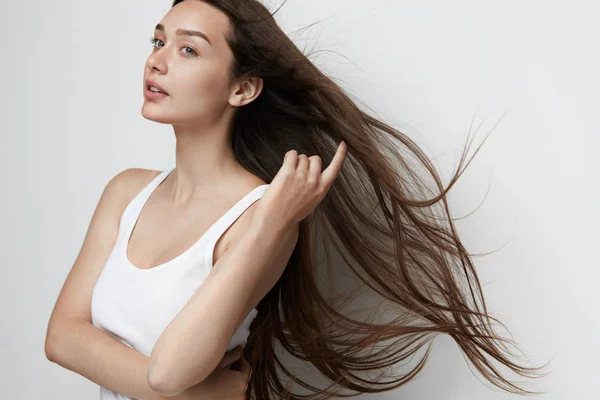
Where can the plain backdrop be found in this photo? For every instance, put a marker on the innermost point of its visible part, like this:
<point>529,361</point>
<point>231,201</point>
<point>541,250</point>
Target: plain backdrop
<point>70,120</point>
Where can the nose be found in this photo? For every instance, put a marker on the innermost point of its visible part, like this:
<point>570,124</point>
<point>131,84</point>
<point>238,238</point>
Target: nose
<point>156,62</point>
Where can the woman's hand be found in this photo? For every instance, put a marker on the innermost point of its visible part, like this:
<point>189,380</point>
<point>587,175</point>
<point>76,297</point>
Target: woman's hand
<point>298,187</point>
<point>222,383</point>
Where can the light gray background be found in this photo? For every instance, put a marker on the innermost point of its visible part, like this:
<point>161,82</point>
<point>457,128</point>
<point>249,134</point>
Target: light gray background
<point>70,120</point>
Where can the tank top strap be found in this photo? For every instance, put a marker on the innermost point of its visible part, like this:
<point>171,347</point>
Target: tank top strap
<point>217,230</point>
<point>134,208</point>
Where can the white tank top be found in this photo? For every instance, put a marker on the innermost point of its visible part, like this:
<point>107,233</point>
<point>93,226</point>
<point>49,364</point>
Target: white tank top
<point>135,305</point>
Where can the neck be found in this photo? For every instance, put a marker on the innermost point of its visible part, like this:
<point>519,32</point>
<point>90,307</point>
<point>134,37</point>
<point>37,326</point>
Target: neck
<point>204,162</point>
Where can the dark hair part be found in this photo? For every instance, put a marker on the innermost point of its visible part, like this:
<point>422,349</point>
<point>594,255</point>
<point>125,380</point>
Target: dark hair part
<point>390,226</point>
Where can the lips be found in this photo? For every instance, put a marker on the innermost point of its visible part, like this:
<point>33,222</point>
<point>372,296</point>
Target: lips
<point>150,82</point>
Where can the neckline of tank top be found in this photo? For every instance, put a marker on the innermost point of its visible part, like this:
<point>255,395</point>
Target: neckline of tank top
<point>147,192</point>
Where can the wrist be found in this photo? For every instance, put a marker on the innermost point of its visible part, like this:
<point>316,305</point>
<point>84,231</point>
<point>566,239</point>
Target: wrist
<point>276,226</point>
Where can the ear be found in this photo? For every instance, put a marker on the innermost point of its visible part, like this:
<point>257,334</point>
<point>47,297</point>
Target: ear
<point>245,91</point>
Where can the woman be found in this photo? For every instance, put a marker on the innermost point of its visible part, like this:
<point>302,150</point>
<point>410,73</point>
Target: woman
<point>216,252</point>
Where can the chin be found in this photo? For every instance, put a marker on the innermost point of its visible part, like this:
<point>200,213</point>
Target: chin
<point>155,116</point>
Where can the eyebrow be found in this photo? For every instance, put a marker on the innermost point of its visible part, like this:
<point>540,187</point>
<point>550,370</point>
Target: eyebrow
<point>185,32</point>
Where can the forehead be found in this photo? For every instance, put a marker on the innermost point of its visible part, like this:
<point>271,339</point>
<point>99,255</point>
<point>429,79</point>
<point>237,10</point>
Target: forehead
<point>198,15</point>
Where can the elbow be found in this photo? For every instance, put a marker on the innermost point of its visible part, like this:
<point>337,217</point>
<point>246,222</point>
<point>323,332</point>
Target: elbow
<point>51,346</point>
<point>160,383</point>
<point>50,350</point>
<point>57,338</point>
<point>161,387</point>
<point>156,382</point>
<point>170,375</point>
<point>171,381</point>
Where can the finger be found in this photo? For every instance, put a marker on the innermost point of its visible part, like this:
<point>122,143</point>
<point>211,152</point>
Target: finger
<point>244,366</point>
<point>226,364</point>
<point>246,370</point>
<point>314,169</point>
<point>291,159</point>
<point>230,357</point>
<point>302,167</point>
<point>333,169</point>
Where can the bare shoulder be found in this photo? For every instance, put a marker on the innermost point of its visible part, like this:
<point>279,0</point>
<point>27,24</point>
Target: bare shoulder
<point>74,299</point>
<point>128,183</point>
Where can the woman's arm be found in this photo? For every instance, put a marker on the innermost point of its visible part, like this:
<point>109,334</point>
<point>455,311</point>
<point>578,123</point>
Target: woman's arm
<point>71,339</point>
<point>92,353</point>
<point>190,346</point>
<point>100,358</point>
<point>74,343</point>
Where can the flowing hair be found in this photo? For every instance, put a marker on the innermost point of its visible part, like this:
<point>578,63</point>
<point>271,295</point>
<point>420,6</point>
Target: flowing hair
<point>390,226</point>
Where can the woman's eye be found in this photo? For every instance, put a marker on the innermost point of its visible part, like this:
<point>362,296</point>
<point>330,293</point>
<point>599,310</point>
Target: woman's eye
<point>154,41</point>
<point>187,47</point>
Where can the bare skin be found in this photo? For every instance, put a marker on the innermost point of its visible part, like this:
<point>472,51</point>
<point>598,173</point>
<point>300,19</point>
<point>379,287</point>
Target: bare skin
<point>179,229</point>
<point>74,343</point>
<point>200,106</point>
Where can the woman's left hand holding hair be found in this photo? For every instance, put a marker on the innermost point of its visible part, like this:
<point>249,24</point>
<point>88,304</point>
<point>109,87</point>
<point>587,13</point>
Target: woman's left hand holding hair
<point>298,187</point>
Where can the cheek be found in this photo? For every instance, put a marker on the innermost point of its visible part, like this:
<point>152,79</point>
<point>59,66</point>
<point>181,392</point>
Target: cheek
<point>210,88</point>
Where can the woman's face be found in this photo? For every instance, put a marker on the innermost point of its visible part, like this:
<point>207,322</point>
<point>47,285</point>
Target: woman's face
<point>193,69</point>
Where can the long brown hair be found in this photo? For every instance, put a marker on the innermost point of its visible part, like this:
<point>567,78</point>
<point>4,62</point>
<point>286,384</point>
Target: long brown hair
<point>390,226</point>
